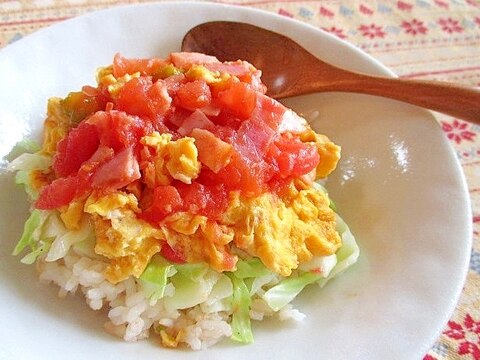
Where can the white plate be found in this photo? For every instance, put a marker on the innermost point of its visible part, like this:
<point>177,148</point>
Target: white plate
<point>399,186</point>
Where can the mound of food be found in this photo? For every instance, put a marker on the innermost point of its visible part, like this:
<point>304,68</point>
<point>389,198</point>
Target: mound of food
<point>179,196</point>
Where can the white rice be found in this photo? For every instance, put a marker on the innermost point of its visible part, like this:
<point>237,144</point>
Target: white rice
<point>132,316</point>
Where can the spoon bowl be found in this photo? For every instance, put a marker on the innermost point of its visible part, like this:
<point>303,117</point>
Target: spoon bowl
<point>289,70</point>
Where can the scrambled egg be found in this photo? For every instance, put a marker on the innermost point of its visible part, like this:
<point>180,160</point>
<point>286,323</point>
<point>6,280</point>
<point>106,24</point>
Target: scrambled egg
<point>56,126</point>
<point>172,160</point>
<point>127,241</point>
<point>72,214</point>
<point>328,151</point>
<point>200,239</point>
<point>284,232</point>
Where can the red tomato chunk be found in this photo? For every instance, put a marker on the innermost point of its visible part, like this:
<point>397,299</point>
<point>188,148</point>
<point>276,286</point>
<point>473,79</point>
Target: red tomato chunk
<point>239,134</point>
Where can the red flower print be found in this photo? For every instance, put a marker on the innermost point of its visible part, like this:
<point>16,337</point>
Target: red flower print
<point>457,131</point>
<point>326,12</point>
<point>477,20</point>
<point>372,31</point>
<point>468,336</point>
<point>429,357</point>
<point>450,26</point>
<point>365,10</point>
<point>404,6</point>
<point>442,4</point>
<point>414,27</point>
<point>285,13</point>
<point>336,31</point>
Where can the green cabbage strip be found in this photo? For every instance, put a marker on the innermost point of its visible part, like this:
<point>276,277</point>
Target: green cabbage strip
<point>22,177</point>
<point>286,290</point>
<point>27,145</point>
<point>194,281</point>
<point>64,239</point>
<point>194,272</point>
<point>25,163</point>
<point>31,238</point>
<point>190,288</point>
<point>31,257</point>
<point>348,253</point>
<point>252,268</point>
<point>28,161</point>
<point>27,239</point>
<point>155,278</point>
<point>241,327</point>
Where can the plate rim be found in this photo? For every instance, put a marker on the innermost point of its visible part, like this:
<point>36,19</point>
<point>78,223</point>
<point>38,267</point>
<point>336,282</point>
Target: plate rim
<point>231,7</point>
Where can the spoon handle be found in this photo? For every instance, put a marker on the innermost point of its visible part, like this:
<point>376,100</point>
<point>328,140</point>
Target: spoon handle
<point>459,101</point>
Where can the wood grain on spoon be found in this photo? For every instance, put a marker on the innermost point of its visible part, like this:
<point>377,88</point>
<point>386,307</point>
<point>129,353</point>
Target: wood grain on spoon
<point>289,70</point>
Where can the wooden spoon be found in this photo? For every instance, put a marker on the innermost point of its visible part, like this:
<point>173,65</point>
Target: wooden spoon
<point>289,70</point>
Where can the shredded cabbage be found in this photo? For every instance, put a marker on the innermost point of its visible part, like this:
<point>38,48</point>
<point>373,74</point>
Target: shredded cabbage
<point>29,162</point>
<point>284,292</point>
<point>193,284</point>
<point>234,291</point>
<point>193,272</point>
<point>27,145</point>
<point>31,257</point>
<point>32,238</point>
<point>348,253</point>
<point>251,268</point>
<point>222,289</point>
<point>66,238</point>
<point>27,239</point>
<point>155,278</point>
<point>22,177</point>
<point>87,247</point>
<point>190,288</point>
<point>25,163</point>
<point>241,301</point>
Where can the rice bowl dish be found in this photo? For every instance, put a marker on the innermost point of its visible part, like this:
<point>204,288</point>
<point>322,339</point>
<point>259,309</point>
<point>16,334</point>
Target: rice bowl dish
<point>179,197</point>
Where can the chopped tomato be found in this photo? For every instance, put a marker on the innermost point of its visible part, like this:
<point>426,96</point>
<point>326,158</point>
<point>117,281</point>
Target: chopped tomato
<point>103,154</point>
<point>194,196</point>
<point>291,157</point>
<point>174,82</point>
<point>60,192</point>
<point>172,255</point>
<point>123,66</point>
<point>165,200</point>
<point>141,97</point>
<point>239,99</point>
<point>229,261</point>
<point>250,178</point>
<point>208,200</point>
<point>119,130</point>
<point>78,146</point>
<point>64,189</point>
<point>194,95</point>
<point>246,141</point>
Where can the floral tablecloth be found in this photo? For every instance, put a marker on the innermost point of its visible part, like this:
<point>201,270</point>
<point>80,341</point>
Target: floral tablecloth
<point>421,39</point>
